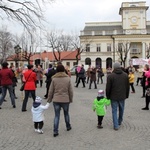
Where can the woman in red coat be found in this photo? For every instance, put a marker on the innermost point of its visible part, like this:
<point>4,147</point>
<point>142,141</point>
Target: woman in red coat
<point>30,87</point>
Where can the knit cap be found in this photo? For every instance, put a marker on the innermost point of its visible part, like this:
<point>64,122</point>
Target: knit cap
<point>38,99</point>
<point>117,65</point>
<point>100,93</point>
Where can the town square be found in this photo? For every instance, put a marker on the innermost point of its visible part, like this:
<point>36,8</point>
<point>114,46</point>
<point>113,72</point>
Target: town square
<point>74,75</point>
<point>17,131</point>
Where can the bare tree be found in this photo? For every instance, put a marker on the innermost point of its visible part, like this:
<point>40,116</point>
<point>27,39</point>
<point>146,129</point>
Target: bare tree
<point>58,42</point>
<point>28,13</point>
<point>80,47</point>
<point>28,43</point>
<point>122,50</point>
<point>6,45</point>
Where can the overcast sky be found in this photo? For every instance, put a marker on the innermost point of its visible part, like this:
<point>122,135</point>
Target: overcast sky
<point>71,15</point>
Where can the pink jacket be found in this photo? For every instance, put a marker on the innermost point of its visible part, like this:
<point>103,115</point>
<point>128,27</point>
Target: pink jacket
<point>147,75</point>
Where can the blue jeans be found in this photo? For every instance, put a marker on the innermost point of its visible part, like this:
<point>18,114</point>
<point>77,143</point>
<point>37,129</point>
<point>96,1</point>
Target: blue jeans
<point>117,120</point>
<point>4,91</point>
<point>57,108</point>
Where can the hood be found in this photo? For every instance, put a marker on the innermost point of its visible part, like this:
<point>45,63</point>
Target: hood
<point>99,98</point>
<point>35,104</point>
<point>118,71</point>
<point>59,75</point>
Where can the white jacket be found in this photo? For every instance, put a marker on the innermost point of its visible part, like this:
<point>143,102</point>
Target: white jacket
<point>37,112</point>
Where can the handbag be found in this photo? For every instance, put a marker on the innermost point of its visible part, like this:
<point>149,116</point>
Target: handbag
<point>23,85</point>
<point>102,74</point>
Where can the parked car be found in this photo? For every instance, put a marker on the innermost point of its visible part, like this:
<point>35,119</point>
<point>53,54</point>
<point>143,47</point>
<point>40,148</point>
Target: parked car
<point>73,70</point>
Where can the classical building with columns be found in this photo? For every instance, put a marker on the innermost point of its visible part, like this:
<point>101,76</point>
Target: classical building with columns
<point>103,41</point>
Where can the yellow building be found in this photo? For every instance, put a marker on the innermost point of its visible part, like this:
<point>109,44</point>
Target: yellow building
<point>103,41</point>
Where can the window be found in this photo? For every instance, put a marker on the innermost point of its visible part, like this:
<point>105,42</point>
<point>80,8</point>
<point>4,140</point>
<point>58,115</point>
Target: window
<point>87,47</point>
<point>68,64</point>
<point>108,47</point>
<point>98,47</point>
<point>74,63</point>
<point>134,49</point>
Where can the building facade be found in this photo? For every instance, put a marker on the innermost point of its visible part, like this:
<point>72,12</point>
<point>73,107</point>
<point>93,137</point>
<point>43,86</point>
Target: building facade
<point>106,42</point>
<point>68,58</point>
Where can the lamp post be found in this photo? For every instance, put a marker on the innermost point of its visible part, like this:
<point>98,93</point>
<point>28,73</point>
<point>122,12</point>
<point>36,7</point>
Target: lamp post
<point>17,49</point>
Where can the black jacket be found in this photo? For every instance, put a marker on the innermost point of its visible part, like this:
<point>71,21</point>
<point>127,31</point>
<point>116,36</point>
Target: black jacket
<point>117,86</point>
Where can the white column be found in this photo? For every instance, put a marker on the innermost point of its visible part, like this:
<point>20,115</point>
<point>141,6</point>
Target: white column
<point>128,55</point>
<point>143,50</point>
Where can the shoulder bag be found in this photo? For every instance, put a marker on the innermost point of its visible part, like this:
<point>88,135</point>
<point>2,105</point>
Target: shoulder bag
<point>23,85</point>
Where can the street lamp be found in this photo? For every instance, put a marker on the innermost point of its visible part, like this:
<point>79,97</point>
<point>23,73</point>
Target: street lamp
<point>17,49</point>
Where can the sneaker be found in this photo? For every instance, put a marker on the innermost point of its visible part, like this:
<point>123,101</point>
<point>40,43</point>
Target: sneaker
<point>36,130</point>
<point>14,106</point>
<point>99,127</point>
<point>116,129</point>
<point>68,129</point>
<point>24,110</point>
<point>40,131</point>
<point>145,108</point>
<point>55,134</point>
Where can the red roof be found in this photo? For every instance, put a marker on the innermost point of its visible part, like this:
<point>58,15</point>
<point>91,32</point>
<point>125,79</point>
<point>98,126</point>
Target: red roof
<point>65,55</point>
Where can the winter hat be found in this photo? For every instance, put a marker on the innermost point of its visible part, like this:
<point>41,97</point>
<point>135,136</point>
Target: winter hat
<point>38,99</point>
<point>100,93</point>
<point>117,65</point>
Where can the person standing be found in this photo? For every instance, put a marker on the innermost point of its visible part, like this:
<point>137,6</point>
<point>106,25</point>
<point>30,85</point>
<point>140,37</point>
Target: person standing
<point>14,80</point>
<point>131,81</point>
<point>81,75</point>
<point>117,90</point>
<point>93,78</point>
<point>99,105</point>
<point>50,72</point>
<point>61,93</point>
<point>38,114</point>
<point>30,86</point>
<point>144,76</point>
<point>147,97</point>
<point>88,74</point>
<point>39,75</point>
<point>139,75</point>
<point>6,77</point>
<point>100,75</point>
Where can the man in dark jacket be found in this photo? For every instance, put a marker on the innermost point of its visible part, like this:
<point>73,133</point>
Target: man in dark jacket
<point>117,90</point>
<point>50,72</point>
<point>6,76</point>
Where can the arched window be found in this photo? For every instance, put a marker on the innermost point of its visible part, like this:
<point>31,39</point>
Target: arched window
<point>98,62</point>
<point>88,61</point>
<point>109,62</point>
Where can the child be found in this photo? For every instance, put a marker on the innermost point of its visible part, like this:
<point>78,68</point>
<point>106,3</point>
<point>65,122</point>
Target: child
<point>131,80</point>
<point>99,105</point>
<point>37,114</point>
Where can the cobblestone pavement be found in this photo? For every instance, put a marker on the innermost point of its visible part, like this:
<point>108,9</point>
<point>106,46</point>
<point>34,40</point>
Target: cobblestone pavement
<point>16,127</point>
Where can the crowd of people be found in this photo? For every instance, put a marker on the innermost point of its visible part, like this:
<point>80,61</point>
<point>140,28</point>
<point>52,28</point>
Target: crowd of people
<point>62,96</point>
